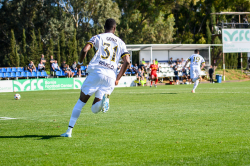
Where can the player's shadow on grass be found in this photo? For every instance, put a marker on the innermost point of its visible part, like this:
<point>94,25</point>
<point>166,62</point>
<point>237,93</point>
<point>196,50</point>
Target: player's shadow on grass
<point>32,136</point>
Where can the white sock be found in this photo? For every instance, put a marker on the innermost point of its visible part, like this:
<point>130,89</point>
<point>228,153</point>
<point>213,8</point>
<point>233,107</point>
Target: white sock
<point>76,113</point>
<point>97,107</point>
<point>195,84</point>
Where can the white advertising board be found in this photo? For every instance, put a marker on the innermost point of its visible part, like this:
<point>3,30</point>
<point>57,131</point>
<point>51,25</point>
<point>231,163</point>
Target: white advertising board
<point>236,40</point>
<point>6,86</point>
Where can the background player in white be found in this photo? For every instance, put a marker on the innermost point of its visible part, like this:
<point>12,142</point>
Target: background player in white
<point>195,68</point>
<point>101,71</point>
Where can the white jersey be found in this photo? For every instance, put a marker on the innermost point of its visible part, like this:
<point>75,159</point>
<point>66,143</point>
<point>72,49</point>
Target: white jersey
<point>109,50</point>
<point>196,60</point>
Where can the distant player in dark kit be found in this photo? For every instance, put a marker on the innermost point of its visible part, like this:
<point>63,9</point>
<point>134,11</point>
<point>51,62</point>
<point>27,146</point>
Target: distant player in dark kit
<point>154,76</point>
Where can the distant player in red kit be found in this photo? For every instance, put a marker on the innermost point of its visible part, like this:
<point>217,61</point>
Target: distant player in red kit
<point>154,76</point>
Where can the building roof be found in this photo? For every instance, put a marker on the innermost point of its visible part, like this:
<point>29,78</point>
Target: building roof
<point>166,47</point>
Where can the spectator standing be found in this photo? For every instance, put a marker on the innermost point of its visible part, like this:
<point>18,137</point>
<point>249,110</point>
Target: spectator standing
<point>211,72</point>
<point>74,67</point>
<point>55,66</point>
<point>248,65</point>
<point>52,60</point>
<point>156,62</point>
<point>43,59</point>
<point>41,66</point>
<point>31,66</point>
<point>245,23</point>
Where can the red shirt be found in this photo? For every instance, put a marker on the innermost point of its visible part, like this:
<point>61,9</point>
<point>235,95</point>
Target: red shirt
<point>154,68</point>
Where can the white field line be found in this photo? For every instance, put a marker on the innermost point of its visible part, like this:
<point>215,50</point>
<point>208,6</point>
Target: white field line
<point>6,118</point>
<point>134,92</point>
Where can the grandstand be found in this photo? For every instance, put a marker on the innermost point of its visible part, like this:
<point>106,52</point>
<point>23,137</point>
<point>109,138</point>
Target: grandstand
<point>20,72</point>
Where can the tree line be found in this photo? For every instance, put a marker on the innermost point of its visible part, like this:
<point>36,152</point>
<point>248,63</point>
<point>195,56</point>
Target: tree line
<point>61,28</point>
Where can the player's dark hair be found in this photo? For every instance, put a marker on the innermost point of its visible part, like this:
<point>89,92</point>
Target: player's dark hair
<point>196,51</point>
<point>109,24</point>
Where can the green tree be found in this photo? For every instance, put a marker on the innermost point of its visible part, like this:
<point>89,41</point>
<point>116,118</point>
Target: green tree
<point>217,53</point>
<point>22,62</point>
<point>13,56</point>
<point>74,48</point>
<point>58,52</point>
<point>33,56</point>
<point>40,44</point>
<point>24,53</point>
<point>62,46</point>
<point>208,33</point>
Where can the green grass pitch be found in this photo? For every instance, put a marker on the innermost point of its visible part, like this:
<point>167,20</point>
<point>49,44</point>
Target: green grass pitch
<point>166,125</point>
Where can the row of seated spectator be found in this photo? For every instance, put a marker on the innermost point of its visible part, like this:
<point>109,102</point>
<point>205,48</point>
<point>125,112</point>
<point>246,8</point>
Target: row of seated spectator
<point>66,70</point>
<point>20,72</point>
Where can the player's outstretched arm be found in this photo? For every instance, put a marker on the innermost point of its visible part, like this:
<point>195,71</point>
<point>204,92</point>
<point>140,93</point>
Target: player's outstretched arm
<point>203,65</point>
<point>83,53</point>
<point>125,66</point>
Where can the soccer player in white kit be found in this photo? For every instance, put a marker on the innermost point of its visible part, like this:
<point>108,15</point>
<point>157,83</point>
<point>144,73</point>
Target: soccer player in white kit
<point>102,77</point>
<point>195,68</point>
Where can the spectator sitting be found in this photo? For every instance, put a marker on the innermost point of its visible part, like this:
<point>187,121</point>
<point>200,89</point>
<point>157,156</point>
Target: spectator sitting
<point>55,66</point>
<point>63,65</point>
<point>182,62</point>
<point>179,64</point>
<point>43,60</point>
<point>74,67</point>
<point>68,71</point>
<point>52,60</point>
<point>171,62</point>
<point>130,69</point>
<point>41,66</point>
<point>139,75</point>
<point>176,73</point>
<point>142,64</point>
<point>31,66</point>
<point>136,67</point>
<point>86,69</point>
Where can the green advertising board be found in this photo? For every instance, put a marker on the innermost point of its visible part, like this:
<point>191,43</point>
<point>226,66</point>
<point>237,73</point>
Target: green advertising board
<point>43,84</point>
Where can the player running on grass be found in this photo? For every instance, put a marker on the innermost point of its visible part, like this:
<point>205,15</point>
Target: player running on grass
<point>101,78</point>
<point>154,76</point>
<point>195,62</point>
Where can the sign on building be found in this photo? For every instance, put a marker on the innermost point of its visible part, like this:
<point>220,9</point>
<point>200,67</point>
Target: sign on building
<point>236,40</point>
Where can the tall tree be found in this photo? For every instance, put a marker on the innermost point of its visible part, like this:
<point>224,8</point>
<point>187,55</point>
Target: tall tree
<point>208,33</point>
<point>74,48</point>
<point>24,53</point>
<point>13,56</point>
<point>58,52</point>
<point>40,44</point>
<point>62,46</point>
<point>33,56</point>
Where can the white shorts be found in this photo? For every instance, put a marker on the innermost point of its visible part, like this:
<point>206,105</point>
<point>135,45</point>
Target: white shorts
<point>99,84</point>
<point>195,72</point>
